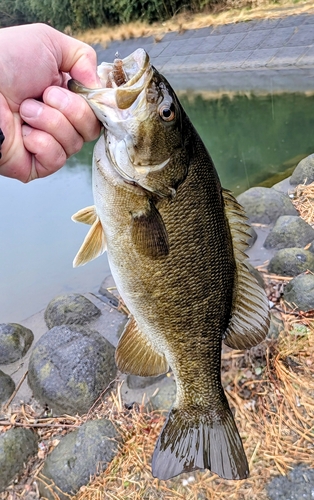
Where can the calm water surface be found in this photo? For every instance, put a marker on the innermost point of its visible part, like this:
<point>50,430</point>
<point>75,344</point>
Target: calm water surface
<point>250,139</point>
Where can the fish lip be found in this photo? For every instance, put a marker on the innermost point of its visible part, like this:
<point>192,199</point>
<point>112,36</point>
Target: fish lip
<point>134,65</point>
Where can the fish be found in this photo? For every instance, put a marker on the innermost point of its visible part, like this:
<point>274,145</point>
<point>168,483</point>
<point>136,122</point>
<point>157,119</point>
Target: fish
<point>176,242</point>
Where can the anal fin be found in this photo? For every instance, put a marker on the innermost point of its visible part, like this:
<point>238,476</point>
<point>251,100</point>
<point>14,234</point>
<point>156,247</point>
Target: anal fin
<point>93,245</point>
<point>136,355</point>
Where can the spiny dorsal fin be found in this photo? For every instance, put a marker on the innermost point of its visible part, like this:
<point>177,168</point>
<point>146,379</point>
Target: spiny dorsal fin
<point>249,323</point>
<point>86,215</point>
<point>93,245</point>
<point>149,233</point>
<point>136,355</point>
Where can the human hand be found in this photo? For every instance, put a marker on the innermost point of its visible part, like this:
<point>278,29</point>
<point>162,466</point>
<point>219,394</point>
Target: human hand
<point>42,121</point>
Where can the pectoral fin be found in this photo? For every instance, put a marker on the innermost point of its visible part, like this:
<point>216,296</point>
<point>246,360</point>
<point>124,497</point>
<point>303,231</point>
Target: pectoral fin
<point>86,215</point>
<point>136,355</point>
<point>149,233</point>
<point>93,245</point>
<point>249,322</point>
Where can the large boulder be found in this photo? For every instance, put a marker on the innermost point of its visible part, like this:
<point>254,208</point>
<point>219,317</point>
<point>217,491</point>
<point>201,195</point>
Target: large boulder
<point>289,231</point>
<point>15,340</point>
<point>70,309</point>
<point>7,387</point>
<point>303,172</point>
<point>300,292</point>
<point>69,368</point>
<point>265,205</point>
<point>298,484</point>
<point>291,262</point>
<point>16,446</point>
<point>79,455</point>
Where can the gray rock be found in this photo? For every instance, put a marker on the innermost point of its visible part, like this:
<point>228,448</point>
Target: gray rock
<point>79,455</point>
<point>300,292</point>
<point>69,368</point>
<point>7,387</point>
<point>297,485</point>
<point>136,382</point>
<point>166,395</point>
<point>265,205</point>
<point>275,327</point>
<point>70,309</point>
<point>303,172</point>
<point>291,262</point>
<point>16,446</point>
<point>15,340</point>
<point>289,231</point>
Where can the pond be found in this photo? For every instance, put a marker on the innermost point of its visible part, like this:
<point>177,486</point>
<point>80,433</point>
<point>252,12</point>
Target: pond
<point>252,140</point>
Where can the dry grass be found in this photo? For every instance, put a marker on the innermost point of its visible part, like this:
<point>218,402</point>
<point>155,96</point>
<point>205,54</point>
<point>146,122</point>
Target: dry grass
<point>231,11</point>
<point>304,202</point>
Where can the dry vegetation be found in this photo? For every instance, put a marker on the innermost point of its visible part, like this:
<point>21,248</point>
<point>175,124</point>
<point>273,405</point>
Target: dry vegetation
<point>270,388</point>
<point>231,11</point>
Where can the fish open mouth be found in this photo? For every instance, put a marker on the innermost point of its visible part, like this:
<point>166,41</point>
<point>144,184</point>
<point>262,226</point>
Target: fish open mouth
<point>122,81</point>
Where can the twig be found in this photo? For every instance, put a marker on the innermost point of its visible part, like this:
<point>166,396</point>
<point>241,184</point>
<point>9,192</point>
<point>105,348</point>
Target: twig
<point>15,391</point>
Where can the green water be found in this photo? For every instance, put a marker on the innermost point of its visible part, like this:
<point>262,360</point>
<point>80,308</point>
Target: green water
<point>254,138</point>
<point>251,140</point>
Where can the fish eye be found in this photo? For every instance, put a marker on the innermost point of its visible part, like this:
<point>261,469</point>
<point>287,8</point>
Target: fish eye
<point>166,112</point>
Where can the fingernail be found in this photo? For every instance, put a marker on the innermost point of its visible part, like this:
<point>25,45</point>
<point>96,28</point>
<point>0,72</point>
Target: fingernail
<point>57,98</point>
<point>26,130</point>
<point>31,108</point>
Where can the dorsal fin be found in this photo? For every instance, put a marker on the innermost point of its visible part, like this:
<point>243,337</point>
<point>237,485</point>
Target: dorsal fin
<point>136,355</point>
<point>93,245</point>
<point>86,215</point>
<point>249,322</point>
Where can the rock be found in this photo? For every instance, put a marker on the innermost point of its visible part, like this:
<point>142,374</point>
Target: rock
<point>297,485</point>
<point>79,455</point>
<point>300,292</point>
<point>7,387</point>
<point>291,262</point>
<point>70,309</point>
<point>289,231</point>
<point>265,205</point>
<point>166,395</point>
<point>15,340</point>
<point>136,382</point>
<point>69,368</point>
<point>16,446</point>
<point>303,172</point>
<point>275,327</point>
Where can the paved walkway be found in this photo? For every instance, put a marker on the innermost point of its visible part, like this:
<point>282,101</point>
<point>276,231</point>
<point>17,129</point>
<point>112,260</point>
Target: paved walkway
<point>272,54</point>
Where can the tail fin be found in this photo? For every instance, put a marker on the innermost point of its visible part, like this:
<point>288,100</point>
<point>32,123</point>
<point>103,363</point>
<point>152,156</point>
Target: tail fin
<point>185,445</point>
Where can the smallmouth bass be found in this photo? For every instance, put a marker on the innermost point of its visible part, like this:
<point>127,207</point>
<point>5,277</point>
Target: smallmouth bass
<point>175,241</point>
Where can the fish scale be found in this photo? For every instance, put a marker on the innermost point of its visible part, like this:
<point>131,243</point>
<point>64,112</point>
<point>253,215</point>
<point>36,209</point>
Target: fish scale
<point>175,242</point>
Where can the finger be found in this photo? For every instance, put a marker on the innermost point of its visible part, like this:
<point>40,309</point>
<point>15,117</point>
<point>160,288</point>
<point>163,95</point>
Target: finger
<point>49,154</point>
<point>76,110</point>
<point>47,119</point>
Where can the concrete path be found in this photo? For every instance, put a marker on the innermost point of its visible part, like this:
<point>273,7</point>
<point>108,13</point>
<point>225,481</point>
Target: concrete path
<point>267,55</point>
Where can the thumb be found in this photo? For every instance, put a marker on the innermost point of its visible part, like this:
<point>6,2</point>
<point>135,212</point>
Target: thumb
<point>76,58</point>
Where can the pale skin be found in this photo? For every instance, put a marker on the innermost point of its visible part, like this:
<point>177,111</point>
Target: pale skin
<point>42,121</point>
